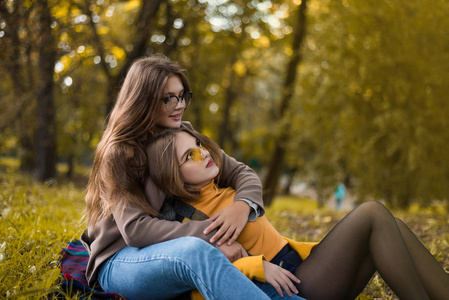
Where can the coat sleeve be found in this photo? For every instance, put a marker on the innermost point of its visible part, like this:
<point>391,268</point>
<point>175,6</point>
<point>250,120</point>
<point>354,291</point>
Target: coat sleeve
<point>139,229</point>
<point>241,178</point>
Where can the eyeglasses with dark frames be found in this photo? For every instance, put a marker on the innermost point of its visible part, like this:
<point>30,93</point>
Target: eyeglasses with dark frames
<point>172,101</point>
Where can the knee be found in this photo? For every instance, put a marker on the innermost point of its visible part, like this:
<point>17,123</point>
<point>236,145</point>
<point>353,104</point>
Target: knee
<point>376,210</point>
<point>373,206</point>
<point>195,254</point>
<point>400,223</point>
<point>192,242</point>
<point>194,245</point>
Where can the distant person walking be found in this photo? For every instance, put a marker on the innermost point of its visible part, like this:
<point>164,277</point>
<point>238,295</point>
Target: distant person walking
<point>339,193</point>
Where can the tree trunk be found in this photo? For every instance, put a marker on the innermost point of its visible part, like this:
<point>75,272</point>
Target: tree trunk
<point>196,106</point>
<point>320,195</point>
<point>45,109</point>
<point>291,175</point>
<point>225,130</point>
<point>25,111</point>
<point>70,166</point>
<point>26,153</point>
<point>172,41</point>
<point>230,95</point>
<point>277,159</point>
<point>15,60</point>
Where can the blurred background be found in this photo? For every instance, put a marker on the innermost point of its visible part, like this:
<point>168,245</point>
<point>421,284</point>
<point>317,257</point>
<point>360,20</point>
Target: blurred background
<point>310,93</point>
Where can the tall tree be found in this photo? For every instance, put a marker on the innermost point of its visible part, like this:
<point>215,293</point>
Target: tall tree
<point>17,107</point>
<point>45,108</point>
<point>277,159</point>
<point>230,96</point>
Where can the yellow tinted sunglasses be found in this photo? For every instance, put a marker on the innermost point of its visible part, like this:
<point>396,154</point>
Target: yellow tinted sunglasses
<point>195,154</point>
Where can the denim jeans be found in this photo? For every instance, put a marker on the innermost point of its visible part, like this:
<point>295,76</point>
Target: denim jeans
<point>168,269</point>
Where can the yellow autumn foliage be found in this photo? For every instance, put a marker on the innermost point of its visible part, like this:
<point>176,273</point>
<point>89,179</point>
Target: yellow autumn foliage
<point>118,52</point>
<point>240,68</point>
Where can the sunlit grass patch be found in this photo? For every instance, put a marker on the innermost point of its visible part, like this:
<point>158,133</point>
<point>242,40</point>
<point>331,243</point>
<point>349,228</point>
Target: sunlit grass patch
<point>10,166</point>
<point>9,162</point>
<point>435,207</point>
<point>36,221</point>
<point>300,218</point>
<point>78,169</point>
<point>294,204</point>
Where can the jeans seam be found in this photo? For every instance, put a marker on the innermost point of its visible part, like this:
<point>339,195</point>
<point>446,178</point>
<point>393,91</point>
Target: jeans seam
<point>210,295</point>
<point>140,260</point>
<point>172,259</point>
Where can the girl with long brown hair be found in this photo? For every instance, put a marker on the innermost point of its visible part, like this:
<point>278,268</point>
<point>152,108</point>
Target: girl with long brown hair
<point>136,248</point>
<point>367,240</point>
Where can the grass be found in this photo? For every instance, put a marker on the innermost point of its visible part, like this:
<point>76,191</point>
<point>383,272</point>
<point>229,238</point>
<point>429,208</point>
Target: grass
<point>37,220</point>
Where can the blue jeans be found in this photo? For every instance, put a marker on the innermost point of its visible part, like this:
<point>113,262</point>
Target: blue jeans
<point>168,269</point>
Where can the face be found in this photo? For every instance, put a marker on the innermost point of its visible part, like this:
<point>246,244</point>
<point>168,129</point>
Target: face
<point>171,119</point>
<point>197,174</point>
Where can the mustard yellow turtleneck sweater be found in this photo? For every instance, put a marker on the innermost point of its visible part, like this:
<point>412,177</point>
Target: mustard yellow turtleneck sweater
<point>258,237</point>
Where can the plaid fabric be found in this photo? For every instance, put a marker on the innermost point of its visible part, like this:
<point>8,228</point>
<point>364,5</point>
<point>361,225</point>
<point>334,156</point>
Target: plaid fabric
<point>73,265</point>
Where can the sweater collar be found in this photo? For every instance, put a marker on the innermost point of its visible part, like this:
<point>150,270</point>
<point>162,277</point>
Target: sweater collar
<point>209,190</point>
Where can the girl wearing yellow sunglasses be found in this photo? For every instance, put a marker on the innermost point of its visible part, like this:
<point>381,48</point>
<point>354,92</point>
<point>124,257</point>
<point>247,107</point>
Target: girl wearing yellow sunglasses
<point>367,240</point>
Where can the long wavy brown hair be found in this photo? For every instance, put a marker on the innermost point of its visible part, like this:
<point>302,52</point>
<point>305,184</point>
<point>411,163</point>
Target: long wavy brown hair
<point>165,165</point>
<point>121,164</point>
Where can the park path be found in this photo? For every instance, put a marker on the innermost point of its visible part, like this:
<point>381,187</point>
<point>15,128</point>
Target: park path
<point>349,201</point>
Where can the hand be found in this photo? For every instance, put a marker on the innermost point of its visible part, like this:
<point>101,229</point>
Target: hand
<point>279,277</point>
<point>231,220</point>
<point>233,252</point>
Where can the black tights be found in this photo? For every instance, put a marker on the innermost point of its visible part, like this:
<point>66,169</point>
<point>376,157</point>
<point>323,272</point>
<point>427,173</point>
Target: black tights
<point>370,239</point>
